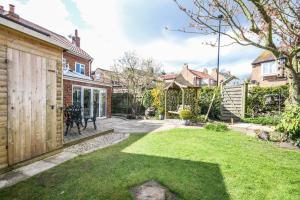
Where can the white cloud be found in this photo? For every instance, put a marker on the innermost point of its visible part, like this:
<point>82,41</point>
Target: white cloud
<point>49,14</point>
<point>105,40</point>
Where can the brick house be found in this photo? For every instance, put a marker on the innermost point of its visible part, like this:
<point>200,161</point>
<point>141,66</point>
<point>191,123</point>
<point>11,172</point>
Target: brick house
<point>190,77</point>
<point>266,71</point>
<point>78,84</point>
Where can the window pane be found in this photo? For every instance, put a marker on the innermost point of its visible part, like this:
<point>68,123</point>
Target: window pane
<point>77,95</point>
<point>87,102</point>
<point>78,67</point>
<point>82,69</point>
<point>96,101</point>
<point>103,103</point>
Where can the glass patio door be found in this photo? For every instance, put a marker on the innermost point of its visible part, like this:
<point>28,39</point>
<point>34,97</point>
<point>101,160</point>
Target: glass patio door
<point>77,95</point>
<point>96,102</point>
<point>102,103</point>
<point>87,106</point>
<point>92,100</point>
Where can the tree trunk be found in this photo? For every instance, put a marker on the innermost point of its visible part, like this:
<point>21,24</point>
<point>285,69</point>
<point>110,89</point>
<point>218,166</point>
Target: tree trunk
<point>294,83</point>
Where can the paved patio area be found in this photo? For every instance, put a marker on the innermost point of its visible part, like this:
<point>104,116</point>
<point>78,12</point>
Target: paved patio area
<point>139,126</point>
<point>121,126</point>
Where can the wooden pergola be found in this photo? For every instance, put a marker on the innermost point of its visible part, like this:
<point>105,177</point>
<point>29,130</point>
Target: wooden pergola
<point>181,85</point>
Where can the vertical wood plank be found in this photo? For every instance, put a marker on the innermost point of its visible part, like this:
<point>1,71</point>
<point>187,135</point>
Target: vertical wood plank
<point>13,106</point>
<point>10,127</point>
<point>22,91</point>
<point>27,104</point>
<point>15,120</point>
<point>43,103</point>
<point>34,116</point>
<point>38,109</point>
<point>53,103</point>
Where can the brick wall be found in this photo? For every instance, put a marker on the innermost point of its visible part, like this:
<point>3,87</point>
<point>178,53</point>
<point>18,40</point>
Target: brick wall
<point>72,59</point>
<point>68,93</point>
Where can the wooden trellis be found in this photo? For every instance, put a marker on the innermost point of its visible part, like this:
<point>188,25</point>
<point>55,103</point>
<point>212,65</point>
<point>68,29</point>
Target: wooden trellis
<point>177,94</point>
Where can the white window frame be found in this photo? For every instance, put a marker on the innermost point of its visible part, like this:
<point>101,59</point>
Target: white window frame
<point>101,90</point>
<point>65,64</point>
<point>81,66</point>
<point>270,72</point>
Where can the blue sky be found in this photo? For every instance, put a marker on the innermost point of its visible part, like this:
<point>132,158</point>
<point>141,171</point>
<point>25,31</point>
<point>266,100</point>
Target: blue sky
<point>108,28</point>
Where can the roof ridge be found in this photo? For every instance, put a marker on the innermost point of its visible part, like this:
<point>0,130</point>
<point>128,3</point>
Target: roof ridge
<point>72,48</point>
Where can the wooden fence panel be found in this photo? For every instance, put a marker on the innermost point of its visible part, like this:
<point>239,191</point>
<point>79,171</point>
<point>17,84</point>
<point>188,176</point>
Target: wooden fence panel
<point>233,101</point>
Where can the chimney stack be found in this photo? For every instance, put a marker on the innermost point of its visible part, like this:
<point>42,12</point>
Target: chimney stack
<point>11,9</point>
<point>185,66</point>
<point>11,12</point>
<point>1,10</point>
<point>76,39</point>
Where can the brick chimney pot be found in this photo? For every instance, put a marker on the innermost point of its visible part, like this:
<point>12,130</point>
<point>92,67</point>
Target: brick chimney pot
<point>11,9</point>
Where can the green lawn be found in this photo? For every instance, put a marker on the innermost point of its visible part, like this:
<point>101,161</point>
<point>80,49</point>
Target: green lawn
<point>193,163</point>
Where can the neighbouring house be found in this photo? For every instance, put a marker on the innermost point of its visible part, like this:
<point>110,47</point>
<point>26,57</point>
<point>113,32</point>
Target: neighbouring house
<point>190,78</point>
<point>266,71</point>
<point>31,90</point>
<point>108,76</point>
<point>223,75</point>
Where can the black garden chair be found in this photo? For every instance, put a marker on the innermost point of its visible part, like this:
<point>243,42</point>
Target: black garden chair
<point>72,114</point>
<point>88,117</point>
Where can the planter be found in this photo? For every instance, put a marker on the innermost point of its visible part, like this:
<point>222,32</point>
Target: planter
<point>186,122</point>
<point>160,117</point>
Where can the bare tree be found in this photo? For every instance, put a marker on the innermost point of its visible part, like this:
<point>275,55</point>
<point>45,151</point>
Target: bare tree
<point>272,25</point>
<point>135,74</point>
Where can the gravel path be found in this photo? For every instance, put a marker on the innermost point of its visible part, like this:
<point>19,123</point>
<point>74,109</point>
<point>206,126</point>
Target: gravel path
<point>96,143</point>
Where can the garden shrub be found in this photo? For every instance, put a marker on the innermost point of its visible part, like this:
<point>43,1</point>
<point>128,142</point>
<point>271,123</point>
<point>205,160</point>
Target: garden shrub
<point>185,114</point>
<point>198,118</point>
<point>264,120</point>
<point>158,97</point>
<point>122,103</point>
<point>290,123</point>
<point>205,96</point>
<point>277,136</point>
<point>218,127</point>
<point>258,103</point>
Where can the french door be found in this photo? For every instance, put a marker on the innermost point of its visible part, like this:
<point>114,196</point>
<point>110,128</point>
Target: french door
<point>92,100</point>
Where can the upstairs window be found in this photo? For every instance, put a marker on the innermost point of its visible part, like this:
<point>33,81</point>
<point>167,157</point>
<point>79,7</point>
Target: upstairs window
<point>269,68</point>
<point>79,68</point>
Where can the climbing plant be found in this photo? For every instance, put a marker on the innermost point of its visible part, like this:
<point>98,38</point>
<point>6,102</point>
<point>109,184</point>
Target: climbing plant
<point>191,100</point>
<point>174,98</point>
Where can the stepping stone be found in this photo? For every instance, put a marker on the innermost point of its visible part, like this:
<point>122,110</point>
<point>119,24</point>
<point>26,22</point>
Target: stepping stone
<point>152,190</point>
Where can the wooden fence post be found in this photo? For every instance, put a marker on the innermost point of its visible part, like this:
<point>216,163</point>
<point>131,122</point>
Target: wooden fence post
<point>166,92</point>
<point>244,99</point>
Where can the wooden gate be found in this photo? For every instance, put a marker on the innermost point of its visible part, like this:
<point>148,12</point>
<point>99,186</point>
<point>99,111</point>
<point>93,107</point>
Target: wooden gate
<point>31,105</point>
<point>233,102</point>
